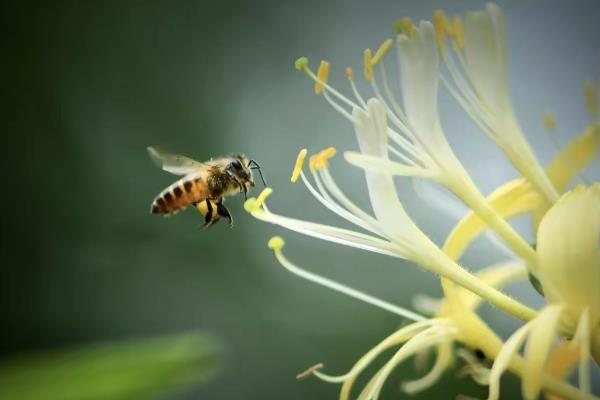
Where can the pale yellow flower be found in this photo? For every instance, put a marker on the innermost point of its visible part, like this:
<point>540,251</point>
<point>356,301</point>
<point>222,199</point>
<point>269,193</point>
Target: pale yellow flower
<point>406,138</point>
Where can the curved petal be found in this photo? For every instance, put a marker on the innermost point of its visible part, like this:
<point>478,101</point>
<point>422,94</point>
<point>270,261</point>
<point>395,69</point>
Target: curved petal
<point>543,331</point>
<point>568,252</point>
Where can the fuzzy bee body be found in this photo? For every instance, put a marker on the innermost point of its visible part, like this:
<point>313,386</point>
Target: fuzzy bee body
<point>188,190</point>
<point>204,184</point>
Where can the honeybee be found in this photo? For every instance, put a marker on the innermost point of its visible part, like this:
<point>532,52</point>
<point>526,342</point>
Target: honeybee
<point>204,184</point>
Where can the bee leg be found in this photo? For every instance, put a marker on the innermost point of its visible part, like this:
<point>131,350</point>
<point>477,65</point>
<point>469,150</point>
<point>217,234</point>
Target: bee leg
<point>208,217</point>
<point>224,212</point>
<point>243,189</point>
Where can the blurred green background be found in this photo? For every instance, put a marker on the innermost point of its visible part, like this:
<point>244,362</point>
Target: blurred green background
<point>88,85</point>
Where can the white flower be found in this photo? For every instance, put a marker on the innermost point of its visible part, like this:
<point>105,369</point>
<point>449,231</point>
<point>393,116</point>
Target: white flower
<point>478,70</point>
<point>408,140</point>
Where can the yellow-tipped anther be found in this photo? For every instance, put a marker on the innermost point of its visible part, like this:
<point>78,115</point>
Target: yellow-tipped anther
<point>458,32</point>
<point>382,51</point>
<point>298,165</point>
<point>322,75</point>
<point>349,73</point>
<point>260,200</point>
<point>312,162</point>
<point>441,26</point>
<point>327,153</point>
<point>276,243</point>
<point>405,25</point>
<point>368,65</point>
<point>591,97</point>
<point>549,120</point>
<point>301,63</point>
<point>251,205</point>
<point>320,160</point>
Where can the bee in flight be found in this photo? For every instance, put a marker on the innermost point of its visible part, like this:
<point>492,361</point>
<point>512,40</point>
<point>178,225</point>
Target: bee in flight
<point>204,183</point>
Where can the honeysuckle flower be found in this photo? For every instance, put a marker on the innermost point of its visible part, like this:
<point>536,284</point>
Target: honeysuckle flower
<point>413,133</point>
<point>455,322</point>
<point>407,140</point>
<point>479,81</point>
<point>393,232</point>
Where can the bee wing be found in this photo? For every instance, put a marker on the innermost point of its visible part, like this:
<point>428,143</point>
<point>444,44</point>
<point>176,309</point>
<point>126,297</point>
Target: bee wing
<point>173,163</point>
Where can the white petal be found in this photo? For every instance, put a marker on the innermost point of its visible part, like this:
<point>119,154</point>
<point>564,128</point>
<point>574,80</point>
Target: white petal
<point>582,336</point>
<point>332,234</point>
<point>418,59</point>
<point>371,131</point>
<point>377,164</point>
<point>486,56</point>
<point>510,348</point>
<point>395,339</point>
<point>543,331</point>
<point>418,343</point>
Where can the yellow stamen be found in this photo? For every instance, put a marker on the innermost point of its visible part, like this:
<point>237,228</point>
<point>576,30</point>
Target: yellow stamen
<point>312,161</point>
<point>322,75</point>
<point>382,51</point>
<point>320,160</point>
<point>591,98</point>
<point>298,165</point>
<point>405,26</point>
<point>349,73</point>
<point>368,65</point>
<point>301,63</point>
<point>458,33</point>
<point>309,371</point>
<point>327,153</point>
<point>441,26</point>
<point>549,120</point>
<point>276,243</point>
<point>263,196</point>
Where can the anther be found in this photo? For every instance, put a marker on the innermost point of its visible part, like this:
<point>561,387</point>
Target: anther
<point>276,243</point>
<point>298,165</point>
<point>404,26</point>
<point>591,99</point>
<point>309,371</point>
<point>266,192</point>
<point>382,51</point>
<point>458,33</point>
<point>441,27</point>
<point>320,160</point>
<point>368,65</point>
<point>349,73</point>
<point>327,153</point>
<point>549,120</point>
<point>312,161</point>
<point>322,75</point>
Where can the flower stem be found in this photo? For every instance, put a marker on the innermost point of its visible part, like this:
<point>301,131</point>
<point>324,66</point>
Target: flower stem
<point>439,262</point>
<point>473,198</point>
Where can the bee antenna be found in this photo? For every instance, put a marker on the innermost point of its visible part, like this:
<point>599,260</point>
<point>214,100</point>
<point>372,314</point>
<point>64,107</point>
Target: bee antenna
<point>257,167</point>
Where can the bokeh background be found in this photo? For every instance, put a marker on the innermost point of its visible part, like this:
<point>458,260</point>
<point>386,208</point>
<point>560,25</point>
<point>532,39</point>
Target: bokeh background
<point>88,85</point>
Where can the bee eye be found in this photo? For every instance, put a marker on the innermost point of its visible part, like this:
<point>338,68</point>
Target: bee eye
<point>236,164</point>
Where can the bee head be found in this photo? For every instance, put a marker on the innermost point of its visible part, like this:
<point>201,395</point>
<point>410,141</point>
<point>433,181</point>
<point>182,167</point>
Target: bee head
<point>239,166</point>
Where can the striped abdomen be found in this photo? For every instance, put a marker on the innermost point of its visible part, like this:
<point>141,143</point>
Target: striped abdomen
<point>182,193</point>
